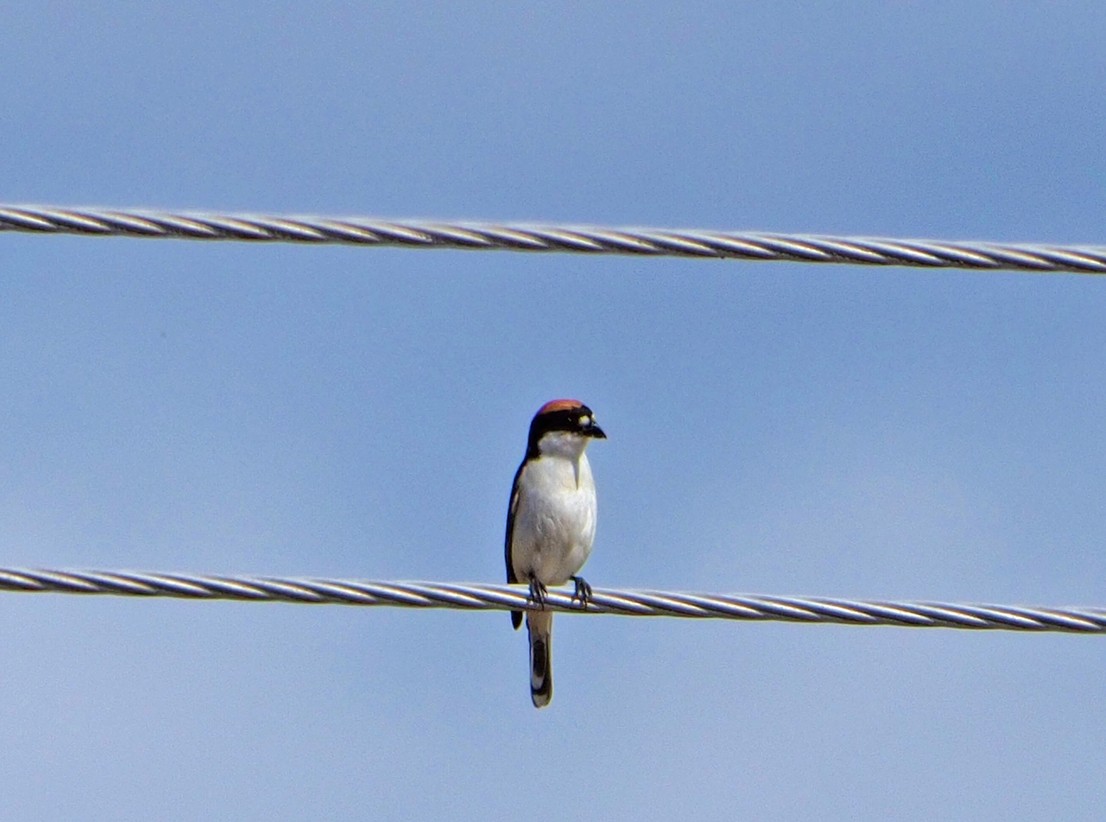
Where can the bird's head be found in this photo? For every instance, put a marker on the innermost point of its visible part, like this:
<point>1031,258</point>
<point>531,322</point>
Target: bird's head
<point>563,425</point>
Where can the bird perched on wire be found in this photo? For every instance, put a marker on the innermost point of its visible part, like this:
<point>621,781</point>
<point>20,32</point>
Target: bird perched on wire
<point>551,523</point>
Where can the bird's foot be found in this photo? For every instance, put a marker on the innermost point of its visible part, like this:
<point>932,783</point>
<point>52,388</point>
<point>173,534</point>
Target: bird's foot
<point>581,592</point>
<point>537,593</point>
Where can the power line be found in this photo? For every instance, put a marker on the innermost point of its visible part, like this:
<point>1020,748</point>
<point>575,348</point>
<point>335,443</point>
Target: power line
<point>480,597</point>
<point>656,242</point>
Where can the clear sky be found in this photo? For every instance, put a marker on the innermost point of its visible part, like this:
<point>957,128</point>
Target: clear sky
<point>354,412</point>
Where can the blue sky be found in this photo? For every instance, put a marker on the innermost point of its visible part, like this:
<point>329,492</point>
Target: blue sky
<point>351,412</point>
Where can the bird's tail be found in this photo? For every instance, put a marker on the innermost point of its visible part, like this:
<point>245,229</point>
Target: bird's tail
<point>540,626</point>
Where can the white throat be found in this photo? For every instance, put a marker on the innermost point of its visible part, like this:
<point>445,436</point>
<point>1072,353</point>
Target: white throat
<point>567,446</point>
<point>563,444</point>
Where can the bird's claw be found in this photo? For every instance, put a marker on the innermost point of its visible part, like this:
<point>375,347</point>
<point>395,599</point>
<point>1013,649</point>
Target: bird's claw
<point>582,591</point>
<point>537,593</point>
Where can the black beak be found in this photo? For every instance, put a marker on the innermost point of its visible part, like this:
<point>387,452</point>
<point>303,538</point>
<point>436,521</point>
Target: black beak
<point>596,432</point>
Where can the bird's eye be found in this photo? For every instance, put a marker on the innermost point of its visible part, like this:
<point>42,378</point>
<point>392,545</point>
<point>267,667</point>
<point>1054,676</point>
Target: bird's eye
<point>585,421</point>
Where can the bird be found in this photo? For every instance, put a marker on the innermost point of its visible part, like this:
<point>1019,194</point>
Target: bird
<point>551,523</point>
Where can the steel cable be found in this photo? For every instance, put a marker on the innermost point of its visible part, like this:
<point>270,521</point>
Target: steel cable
<point>476,596</point>
<point>656,242</point>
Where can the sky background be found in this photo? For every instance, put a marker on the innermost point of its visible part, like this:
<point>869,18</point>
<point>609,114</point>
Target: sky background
<point>356,412</point>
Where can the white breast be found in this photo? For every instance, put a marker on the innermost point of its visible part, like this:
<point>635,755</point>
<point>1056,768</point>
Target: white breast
<point>554,525</point>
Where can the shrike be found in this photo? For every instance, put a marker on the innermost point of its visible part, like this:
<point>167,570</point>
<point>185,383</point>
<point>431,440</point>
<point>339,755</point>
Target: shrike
<point>551,523</point>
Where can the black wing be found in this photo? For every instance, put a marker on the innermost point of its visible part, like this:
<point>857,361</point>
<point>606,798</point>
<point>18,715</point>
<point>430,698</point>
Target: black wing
<point>516,616</point>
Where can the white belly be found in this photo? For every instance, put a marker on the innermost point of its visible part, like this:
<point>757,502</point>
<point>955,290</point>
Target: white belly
<point>554,525</point>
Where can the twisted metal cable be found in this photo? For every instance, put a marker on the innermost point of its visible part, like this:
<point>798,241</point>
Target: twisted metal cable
<point>474,596</point>
<point>744,245</point>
